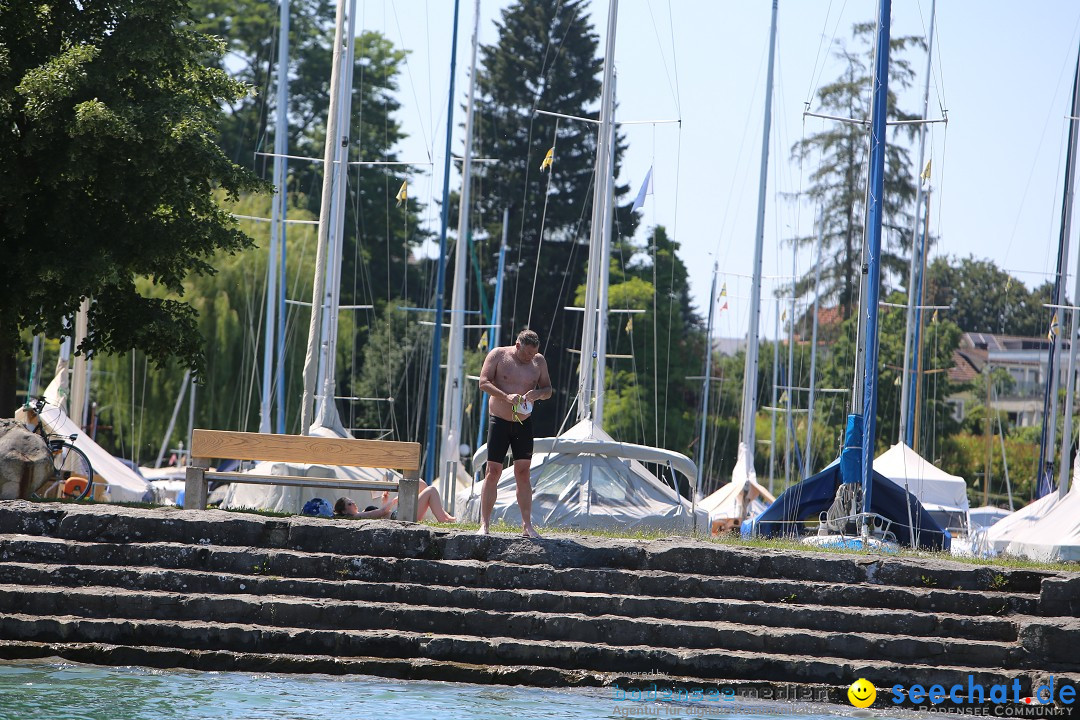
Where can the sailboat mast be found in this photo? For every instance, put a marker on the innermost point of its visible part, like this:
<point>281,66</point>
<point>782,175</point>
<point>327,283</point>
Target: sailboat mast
<point>879,109</point>
<point>596,231</point>
<point>708,377</point>
<point>749,399</point>
<point>775,380</point>
<point>326,414</point>
<point>496,321</point>
<point>605,270</point>
<point>311,360</point>
<point>277,217</point>
<point>813,348</point>
<point>789,427</point>
<point>455,376</point>
<point>79,398</point>
<point>1066,435</point>
<point>440,281</point>
<point>906,425</point>
<point>1049,429</point>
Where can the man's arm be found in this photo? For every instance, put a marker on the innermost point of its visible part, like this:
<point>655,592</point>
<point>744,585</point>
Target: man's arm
<point>542,391</point>
<point>487,376</point>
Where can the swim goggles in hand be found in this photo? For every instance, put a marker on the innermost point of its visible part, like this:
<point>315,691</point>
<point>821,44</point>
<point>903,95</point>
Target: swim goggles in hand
<point>523,407</point>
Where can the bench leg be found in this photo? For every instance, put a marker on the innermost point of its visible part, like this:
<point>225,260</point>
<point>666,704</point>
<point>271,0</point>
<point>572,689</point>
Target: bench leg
<point>408,489</point>
<point>195,488</point>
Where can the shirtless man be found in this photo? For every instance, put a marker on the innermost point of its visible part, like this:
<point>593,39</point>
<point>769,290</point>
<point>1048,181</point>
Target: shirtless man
<point>514,377</point>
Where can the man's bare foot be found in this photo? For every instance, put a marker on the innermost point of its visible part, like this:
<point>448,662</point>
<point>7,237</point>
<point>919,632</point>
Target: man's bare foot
<point>530,532</point>
<point>448,518</point>
<point>483,530</point>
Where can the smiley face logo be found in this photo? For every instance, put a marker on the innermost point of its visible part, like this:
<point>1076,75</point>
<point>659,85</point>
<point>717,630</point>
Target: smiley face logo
<point>862,693</point>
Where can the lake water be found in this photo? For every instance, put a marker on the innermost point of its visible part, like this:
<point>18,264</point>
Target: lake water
<point>56,690</point>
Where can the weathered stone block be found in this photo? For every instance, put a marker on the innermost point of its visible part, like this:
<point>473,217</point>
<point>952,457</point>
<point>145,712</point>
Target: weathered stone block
<point>25,461</point>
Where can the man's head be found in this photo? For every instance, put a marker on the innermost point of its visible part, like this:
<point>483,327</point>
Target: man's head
<point>528,344</point>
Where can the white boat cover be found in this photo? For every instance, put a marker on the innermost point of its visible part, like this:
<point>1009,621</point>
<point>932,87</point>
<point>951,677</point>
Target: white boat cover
<point>290,499</point>
<point>936,489</point>
<point>1047,530</point>
<point>113,480</point>
<point>729,502</point>
<point>987,515</point>
<point>741,498</point>
<point>586,479</point>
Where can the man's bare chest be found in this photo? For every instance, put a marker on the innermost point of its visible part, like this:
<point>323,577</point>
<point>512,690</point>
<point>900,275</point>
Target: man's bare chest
<point>511,371</point>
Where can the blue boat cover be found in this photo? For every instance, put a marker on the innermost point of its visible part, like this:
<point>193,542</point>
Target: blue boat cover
<point>808,499</point>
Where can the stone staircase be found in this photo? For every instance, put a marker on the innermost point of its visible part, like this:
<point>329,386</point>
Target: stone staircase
<point>215,590</point>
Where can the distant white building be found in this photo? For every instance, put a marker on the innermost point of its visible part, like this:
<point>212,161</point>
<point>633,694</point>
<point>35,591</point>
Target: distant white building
<point>728,346</point>
<point>1026,360</point>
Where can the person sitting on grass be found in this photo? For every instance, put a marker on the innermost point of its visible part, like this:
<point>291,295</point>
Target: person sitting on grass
<point>428,499</point>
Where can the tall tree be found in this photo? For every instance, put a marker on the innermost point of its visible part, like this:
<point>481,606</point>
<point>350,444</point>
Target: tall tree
<point>250,31</point>
<point>109,166</point>
<point>136,400</point>
<point>838,182</point>
<point>1011,309</point>
<point>546,58</point>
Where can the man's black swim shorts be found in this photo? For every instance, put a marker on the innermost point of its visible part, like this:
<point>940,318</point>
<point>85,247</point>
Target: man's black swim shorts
<point>503,434</point>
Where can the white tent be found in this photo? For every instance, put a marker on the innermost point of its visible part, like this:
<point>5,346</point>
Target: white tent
<point>736,501</point>
<point>289,499</point>
<point>586,479</point>
<point>1047,530</point>
<point>113,480</point>
<point>943,495</point>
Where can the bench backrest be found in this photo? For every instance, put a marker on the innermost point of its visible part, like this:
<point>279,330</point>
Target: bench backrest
<point>229,445</point>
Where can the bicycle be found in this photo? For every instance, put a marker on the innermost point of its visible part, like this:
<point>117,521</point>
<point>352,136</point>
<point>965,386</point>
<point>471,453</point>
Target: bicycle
<point>73,476</point>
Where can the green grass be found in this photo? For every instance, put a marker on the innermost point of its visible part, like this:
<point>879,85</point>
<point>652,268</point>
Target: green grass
<point>732,540</point>
<point>1005,561</point>
<point>507,529</point>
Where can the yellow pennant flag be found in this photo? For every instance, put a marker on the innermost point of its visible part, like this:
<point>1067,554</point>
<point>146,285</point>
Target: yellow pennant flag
<point>403,193</point>
<point>723,290</point>
<point>630,325</point>
<point>934,319</point>
<point>548,160</point>
<point>482,345</point>
<point>926,172</point>
<point>1053,328</point>
<point>783,317</point>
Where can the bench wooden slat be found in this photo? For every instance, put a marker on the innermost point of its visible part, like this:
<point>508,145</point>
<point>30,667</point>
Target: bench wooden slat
<point>302,481</point>
<point>230,445</point>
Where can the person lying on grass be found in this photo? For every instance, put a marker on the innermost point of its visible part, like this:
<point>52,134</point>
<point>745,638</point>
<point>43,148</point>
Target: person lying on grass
<point>428,499</point>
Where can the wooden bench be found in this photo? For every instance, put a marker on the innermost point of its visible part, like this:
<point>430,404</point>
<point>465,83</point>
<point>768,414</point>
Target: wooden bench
<point>226,445</point>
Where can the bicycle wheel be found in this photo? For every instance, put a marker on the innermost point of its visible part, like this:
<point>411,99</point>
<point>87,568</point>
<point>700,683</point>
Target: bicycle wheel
<point>73,476</point>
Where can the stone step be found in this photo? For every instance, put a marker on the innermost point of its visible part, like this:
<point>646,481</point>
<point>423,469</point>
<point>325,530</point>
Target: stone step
<point>504,575</point>
<point>228,661</point>
<point>293,612</point>
<point>756,613</point>
<point>108,523</point>
<point>707,664</point>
